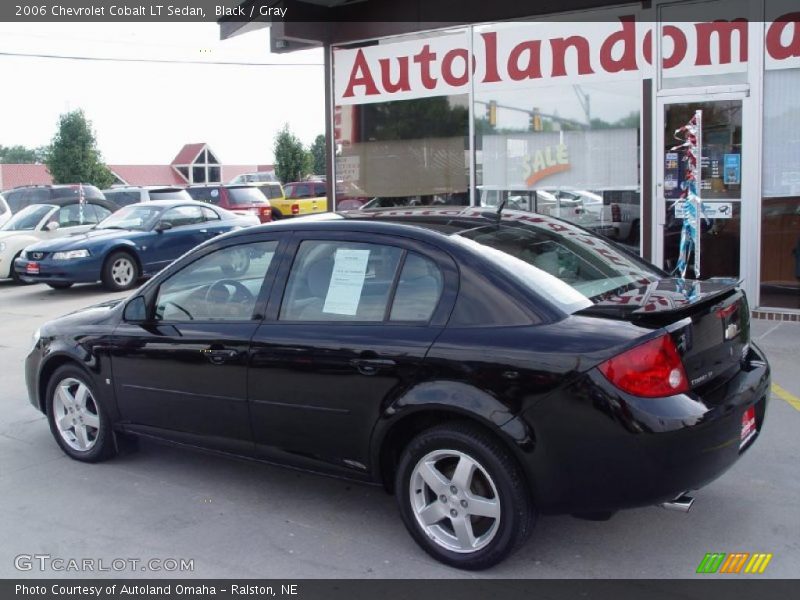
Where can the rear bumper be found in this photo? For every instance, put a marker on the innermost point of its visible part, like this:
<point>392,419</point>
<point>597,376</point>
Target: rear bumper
<point>600,450</point>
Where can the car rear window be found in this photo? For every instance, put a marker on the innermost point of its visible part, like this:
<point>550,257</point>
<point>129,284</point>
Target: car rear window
<point>299,190</point>
<point>73,191</point>
<point>204,194</point>
<point>271,191</point>
<point>39,195</point>
<point>569,265</point>
<point>245,196</point>
<point>123,197</point>
<point>169,194</point>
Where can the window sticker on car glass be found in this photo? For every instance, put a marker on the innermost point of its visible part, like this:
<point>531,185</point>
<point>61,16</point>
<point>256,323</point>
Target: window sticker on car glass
<point>214,193</point>
<point>347,281</point>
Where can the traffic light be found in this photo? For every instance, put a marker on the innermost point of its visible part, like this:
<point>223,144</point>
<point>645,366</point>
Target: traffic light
<point>491,113</point>
<point>536,120</point>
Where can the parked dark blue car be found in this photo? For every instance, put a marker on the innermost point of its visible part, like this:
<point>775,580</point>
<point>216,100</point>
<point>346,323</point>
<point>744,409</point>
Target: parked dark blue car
<point>136,241</point>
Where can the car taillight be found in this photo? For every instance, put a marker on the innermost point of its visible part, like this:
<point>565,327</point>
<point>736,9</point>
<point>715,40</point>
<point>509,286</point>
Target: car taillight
<point>651,370</point>
<point>265,213</point>
<point>295,209</point>
<point>616,213</point>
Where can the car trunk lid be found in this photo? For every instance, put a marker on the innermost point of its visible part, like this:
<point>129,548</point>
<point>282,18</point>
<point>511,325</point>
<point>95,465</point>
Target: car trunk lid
<point>708,321</point>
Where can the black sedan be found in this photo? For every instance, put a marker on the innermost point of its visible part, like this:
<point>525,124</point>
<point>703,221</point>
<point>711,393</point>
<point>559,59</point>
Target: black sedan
<point>484,368</point>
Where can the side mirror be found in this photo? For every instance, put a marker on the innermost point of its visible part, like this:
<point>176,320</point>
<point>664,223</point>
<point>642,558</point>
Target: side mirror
<point>52,226</point>
<point>135,311</point>
<point>163,226</point>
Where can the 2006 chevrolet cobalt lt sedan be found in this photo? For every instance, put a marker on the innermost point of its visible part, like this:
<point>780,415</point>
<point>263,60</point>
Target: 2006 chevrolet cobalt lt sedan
<point>484,367</point>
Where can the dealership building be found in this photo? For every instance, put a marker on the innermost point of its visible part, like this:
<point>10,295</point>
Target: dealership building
<point>578,114</point>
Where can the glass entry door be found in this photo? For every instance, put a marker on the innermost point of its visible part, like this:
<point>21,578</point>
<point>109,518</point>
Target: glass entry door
<point>721,177</point>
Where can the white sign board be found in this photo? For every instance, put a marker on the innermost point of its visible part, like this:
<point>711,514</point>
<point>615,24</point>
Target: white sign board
<point>348,168</point>
<point>589,160</point>
<point>347,281</point>
<point>520,55</point>
<point>710,210</point>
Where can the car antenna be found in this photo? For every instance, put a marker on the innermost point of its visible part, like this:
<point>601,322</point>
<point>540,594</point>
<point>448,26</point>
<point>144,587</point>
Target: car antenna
<point>499,213</point>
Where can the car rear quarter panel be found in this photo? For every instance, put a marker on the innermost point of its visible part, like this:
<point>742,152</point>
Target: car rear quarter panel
<point>493,375</point>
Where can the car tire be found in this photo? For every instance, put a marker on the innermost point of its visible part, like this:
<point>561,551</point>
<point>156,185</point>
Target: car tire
<point>78,420</point>
<point>120,272</point>
<point>14,275</point>
<point>437,505</point>
<point>61,285</point>
<point>276,214</point>
<point>239,264</point>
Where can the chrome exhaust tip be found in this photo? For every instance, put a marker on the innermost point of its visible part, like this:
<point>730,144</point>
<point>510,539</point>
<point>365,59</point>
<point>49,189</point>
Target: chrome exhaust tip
<point>682,503</point>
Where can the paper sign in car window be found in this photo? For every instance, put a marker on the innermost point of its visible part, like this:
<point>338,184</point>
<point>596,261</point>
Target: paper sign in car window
<point>347,281</point>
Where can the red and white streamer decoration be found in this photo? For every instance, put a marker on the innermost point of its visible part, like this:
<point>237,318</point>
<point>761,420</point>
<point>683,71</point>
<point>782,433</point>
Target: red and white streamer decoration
<point>691,135</point>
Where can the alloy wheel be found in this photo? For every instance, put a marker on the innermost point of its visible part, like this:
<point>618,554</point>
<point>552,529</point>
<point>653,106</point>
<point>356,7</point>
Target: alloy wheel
<point>122,271</point>
<point>75,414</point>
<point>455,501</point>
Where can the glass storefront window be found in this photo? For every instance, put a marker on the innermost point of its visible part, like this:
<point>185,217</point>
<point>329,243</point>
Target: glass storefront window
<point>700,46</point>
<point>721,166</point>
<point>720,179</point>
<point>403,153</point>
<point>570,151</point>
<point>780,205</point>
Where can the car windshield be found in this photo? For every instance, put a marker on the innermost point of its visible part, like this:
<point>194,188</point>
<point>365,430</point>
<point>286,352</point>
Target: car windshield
<point>135,216</point>
<point>28,218</point>
<point>570,266</point>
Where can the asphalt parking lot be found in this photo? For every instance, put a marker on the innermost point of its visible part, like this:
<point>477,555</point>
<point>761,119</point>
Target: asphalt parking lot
<point>237,519</point>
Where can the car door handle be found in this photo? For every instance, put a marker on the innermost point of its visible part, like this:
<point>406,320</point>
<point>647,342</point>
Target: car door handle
<point>371,366</point>
<point>218,356</point>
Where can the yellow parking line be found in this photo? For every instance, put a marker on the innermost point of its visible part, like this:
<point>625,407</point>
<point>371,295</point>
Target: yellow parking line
<point>793,400</point>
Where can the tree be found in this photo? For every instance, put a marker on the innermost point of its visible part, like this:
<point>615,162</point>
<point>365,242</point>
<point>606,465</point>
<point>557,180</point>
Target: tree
<point>21,154</point>
<point>414,119</point>
<point>318,155</point>
<point>292,161</point>
<point>73,156</point>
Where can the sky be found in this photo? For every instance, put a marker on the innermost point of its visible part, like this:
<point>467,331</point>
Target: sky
<point>142,113</point>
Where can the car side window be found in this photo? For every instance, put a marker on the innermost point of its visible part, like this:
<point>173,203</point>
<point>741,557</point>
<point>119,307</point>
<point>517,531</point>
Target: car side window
<point>210,215</point>
<point>273,190</point>
<point>221,286</point>
<point>319,189</point>
<point>101,211</point>
<point>340,281</point>
<point>418,290</point>
<point>181,216</point>
<point>74,215</point>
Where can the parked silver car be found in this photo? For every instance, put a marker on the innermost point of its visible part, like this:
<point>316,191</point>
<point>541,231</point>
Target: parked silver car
<point>132,194</point>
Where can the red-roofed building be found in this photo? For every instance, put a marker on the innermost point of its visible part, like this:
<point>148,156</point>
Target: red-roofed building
<point>194,163</point>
